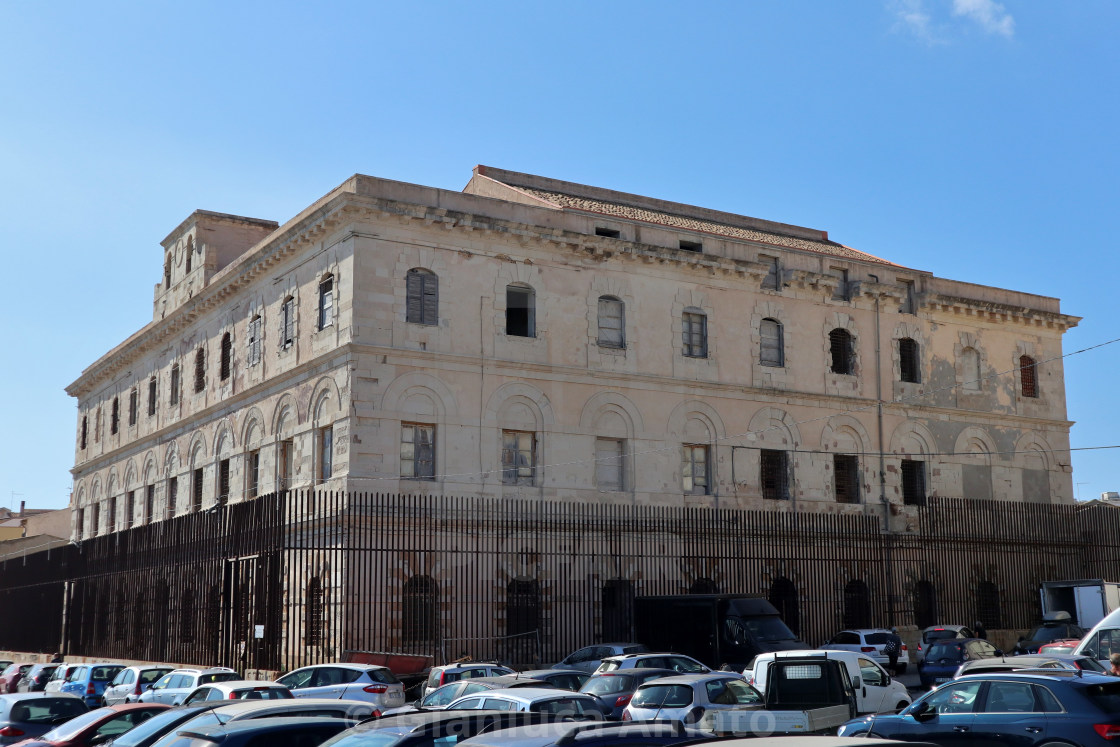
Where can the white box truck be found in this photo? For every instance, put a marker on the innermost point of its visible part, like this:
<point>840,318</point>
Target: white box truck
<point>1087,600</point>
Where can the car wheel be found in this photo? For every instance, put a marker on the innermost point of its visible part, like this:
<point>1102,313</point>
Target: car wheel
<point>900,669</point>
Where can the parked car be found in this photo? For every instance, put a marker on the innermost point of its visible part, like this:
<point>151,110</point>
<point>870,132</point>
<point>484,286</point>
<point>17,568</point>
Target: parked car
<point>131,682</point>
<point>30,715</point>
<point>1016,709</point>
<point>868,641</point>
<point>12,674</point>
<point>532,700</point>
<point>439,698</point>
<point>88,681</point>
<point>1103,640</point>
<point>36,678</point>
<point>442,675</point>
<point>239,690</point>
<point>1061,646</point>
<point>374,684</point>
<point>610,734</point>
<point>99,726</point>
<point>431,728</point>
<point>685,698</point>
<point>177,684</point>
<point>564,679</point>
<point>679,663</point>
<point>588,658</point>
<point>289,731</point>
<point>58,677</point>
<point>614,689</point>
<point>1055,626</point>
<point>876,690</point>
<point>944,658</point>
<point>936,633</point>
<point>160,724</point>
<point>236,710</point>
<point>1012,664</point>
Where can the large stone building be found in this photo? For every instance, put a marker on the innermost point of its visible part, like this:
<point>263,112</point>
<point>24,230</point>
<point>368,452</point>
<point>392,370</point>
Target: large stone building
<point>540,338</point>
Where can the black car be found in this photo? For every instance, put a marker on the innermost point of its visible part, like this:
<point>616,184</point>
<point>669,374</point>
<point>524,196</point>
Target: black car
<point>1056,626</point>
<point>1011,709</point>
<point>614,689</point>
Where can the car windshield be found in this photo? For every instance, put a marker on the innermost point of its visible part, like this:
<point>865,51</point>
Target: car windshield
<point>1044,633</point>
<point>609,665</point>
<point>945,652</point>
<point>371,738</point>
<point>663,696</point>
<point>876,639</point>
<point>206,679</point>
<point>383,676</point>
<point>157,724</point>
<point>681,664</point>
<point>606,685</point>
<point>769,628</point>
<point>1106,697</point>
<point>938,635</point>
<point>104,674</point>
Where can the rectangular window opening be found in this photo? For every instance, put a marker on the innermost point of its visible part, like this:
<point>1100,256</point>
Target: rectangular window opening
<point>285,465</point>
<point>129,509</point>
<point>417,451</point>
<point>610,464</point>
<point>610,233</point>
<point>326,453</point>
<point>172,496</point>
<point>518,457</point>
<point>774,474</point>
<point>223,482</point>
<point>773,279</point>
<point>694,469</point>
<point>913,482</point>
<point>174,390</point>
<point>694,329</point>
<point>133,406</point>
<point>520,321</point>
<point>152,389</point>
<point>196,490</point>
<point>841,292</point>
<point>149,503</point>
<point>909,299</point>
<point>253,474</point>
<point>691,246</point>
<point>845,469</point>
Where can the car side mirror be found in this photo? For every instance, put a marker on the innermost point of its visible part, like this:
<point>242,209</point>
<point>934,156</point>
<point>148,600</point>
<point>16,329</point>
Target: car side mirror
<point>923,712</point>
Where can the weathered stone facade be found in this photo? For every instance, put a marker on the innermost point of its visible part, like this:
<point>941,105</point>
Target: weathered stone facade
<point>608,347</point>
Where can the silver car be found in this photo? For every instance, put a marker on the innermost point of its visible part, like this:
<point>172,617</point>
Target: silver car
<point>686,698</point>
<point>532,700</point>
<point>589,658</point>
<point>131,682</point>
<point>173,687</point>
<point>373,684</point>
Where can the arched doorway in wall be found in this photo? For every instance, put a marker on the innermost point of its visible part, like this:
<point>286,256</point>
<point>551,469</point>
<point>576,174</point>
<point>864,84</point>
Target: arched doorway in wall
<point>783,595</point>
<point>857,605</point>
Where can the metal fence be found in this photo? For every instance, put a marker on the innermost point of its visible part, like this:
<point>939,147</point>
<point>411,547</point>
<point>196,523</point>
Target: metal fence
<point>300,577</point>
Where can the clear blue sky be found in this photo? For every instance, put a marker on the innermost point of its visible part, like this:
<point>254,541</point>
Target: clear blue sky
<point>964,137</point>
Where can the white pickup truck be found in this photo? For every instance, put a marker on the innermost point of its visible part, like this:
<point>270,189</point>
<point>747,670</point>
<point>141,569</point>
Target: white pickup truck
<point>803,695</point>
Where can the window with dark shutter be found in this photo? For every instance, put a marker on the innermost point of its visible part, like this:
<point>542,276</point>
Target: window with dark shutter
<point>611,323</point>
<point>111,519</point>
<point>149,503</point>
<point>223,482</point>
<point>908,363</point>
<point>326,302</point>
<point>254,355</point>
<point>196,490</point>
<point>227,355</point>
<point>845,469</point>
<point>774,474</point>
<point>152,389</point>
<point>115,417</point>
<point>129,509</point>
<point>200,370</point>
<point>1028,375</point>
<point>287,322</point>
<point>840,343</point>
<point>173,397</point>
<point>694,331</point>
<point>422,297</point>
<point>520,311</point>
<point>326,453</point>
<point>770,335</point>
<point>85,431</point>
<point>172,495</point>
<point>133,406</point>
<point>913,482</point>
<point>253,475</point>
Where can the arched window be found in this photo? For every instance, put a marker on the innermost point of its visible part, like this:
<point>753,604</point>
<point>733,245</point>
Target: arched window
<point>618,610</point>
<point>988,606</point>
<point>840,344</point>
<point>190,253</point>
<point>313,613</point>
<point>521,311</point>
<point>694,333</point>
<point>783,595</point>
<point>167,271</point>
<point>772,352</point>
<point>523,605</point>
<point>326,301</point>
<point>1028,375</point>
<point>612,322</point>
<point>421,610</point>
<point>422,292</point>
<point>200,369</point>
<point>925,604</point>
<point>227,355</point>
<point>187,617</point>
<point>857,605</point>
<point>703,585</point>
<point>909,366</point>
<point>970,370</point>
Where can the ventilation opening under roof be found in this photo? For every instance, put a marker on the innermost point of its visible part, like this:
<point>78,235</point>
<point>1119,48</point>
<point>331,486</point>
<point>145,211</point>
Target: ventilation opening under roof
<point>691,246</point>
<point>610,233</point>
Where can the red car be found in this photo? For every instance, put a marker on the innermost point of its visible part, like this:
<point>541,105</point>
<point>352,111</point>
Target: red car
<point>1060,646</point>
<point>97,726</point>
<point>11,676</point>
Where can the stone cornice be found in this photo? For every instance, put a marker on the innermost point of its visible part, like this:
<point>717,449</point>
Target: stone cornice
<point>998,313</point>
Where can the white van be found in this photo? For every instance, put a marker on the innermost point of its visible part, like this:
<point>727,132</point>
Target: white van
<point>876,691</point>
<point>1103,640</point>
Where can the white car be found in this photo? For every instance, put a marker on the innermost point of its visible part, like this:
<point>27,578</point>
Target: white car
<point>368,682</point>
<point>676,662</point>
<point>686,698</point>
<point>131,682</point>
<point>447,673</point>
<point>239,690</point>
<point>532,700</point>
<point>868,641</point>
<point>876,692</point>
<point>177,684</point>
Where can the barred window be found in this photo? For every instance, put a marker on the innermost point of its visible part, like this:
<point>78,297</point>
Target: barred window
<point>772,344</point>
<point>227,356</point>
<point>518,457</point>
<point>840,344</point>
<point>908,362</point>
<point>254,355</point>
<point>422,297</point>
<point>420,621</point>
<point>845,469</point>
<point>913,482</point>
<point>313,613</point>
<point>612,324</point>
<point>417,451</point>
<point>694,469</point>
<point>129,509</point>
<point>223,482</point>
<point>200,369</point>
<point>111,519</point>
<point>1028,376</point>
<point>774,474</point>
<point>326,302</point>
<point>172,495</point>
<point>196,490</point>
<point>149,503</point>
<point>694,330</point>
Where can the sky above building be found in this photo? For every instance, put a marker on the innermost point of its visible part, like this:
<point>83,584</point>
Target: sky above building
<point>967,138</point>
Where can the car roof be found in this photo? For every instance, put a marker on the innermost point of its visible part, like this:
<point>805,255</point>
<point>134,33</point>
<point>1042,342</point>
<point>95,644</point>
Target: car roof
<point>688,679</point>
<point>238,708</point>
<point>343,665</point>
<point>501,680</point>
<point>864,631</point>
<point>634,672</point>
<point>13,697</point>
<point>566,732</point>
<point>471,665</point>
<point>238,684</point>
<point>957,628</point>
<point>529,694</point>
<point>404,723</point>
<point>810,653</point>
<point>273,723</point>
<point>538,672</point>
<point>196,670</point>
<point>805,740</point>
<point>639,654</point>
<point>1048,675</point>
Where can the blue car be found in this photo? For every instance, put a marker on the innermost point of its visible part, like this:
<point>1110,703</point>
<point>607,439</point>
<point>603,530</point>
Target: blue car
<point>1013,709</point>
<point>943,658</point>
<point>88,681</point>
